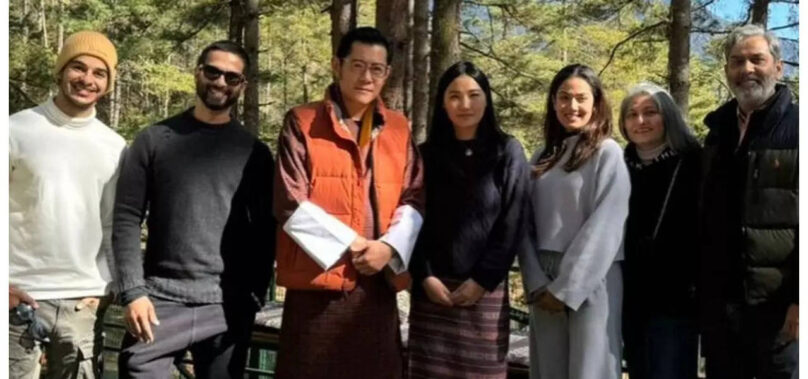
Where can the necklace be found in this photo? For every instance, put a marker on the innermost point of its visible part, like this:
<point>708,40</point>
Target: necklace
<point>469,152</point>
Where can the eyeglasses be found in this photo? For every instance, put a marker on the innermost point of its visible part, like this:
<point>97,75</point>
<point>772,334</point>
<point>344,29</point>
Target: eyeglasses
<point>377,70</point>
<point>25,314</point>
<point>231,78</point>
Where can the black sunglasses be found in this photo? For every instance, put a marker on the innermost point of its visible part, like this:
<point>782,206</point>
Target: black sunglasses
<point>25,314</point>
<point>231,78</point>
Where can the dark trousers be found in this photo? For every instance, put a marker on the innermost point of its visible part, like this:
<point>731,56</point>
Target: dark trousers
<point>661,347</point>
<point>748,344</point>
<point>217,336</point>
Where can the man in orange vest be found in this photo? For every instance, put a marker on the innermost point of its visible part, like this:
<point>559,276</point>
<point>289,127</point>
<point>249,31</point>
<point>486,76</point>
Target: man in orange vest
<point>349,201</point>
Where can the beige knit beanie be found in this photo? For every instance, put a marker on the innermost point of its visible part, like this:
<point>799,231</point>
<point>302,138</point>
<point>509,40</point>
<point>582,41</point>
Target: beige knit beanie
<point>88,43</point>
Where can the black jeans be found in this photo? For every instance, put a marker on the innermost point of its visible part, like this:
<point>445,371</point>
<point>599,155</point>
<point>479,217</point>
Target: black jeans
<point>748,344</point>
<point>217,336</point>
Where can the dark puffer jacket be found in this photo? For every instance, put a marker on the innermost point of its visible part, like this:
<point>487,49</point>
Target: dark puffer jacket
<point>749,206</point>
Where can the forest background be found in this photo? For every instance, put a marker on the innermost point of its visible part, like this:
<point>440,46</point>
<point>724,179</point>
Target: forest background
<point>520,44</point>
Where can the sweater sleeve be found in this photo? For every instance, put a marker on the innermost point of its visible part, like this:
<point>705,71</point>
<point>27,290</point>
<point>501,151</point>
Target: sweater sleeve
<point>129,211</point>
<point>107,207</point>
<point>508,230</point>
<point>595,246</point>
<point>420,267</point>
<point>533,276</point>
<point>408,217</point>
<point>262,224</point>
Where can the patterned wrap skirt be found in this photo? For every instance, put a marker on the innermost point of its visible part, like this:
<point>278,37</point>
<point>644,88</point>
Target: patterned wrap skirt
<point>459,342</point>
<point>332,334</point>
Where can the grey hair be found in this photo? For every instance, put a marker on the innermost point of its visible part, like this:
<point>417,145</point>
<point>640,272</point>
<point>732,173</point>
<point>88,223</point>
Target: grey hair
<point>752,30</point>
<point>677,134</point>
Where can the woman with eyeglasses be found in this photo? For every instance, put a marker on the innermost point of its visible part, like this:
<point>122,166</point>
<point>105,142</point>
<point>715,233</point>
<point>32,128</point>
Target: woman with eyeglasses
<point>662,155</point>
<point>579,199</point>
<point>476,180</point>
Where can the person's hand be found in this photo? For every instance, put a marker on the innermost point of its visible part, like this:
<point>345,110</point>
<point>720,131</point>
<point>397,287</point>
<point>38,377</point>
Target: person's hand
<point>792,323</point>
<point>550,303</point>
<point>374,258</point>
<point>533,297</point>
<point>358,245</point>
<point>17,296</point>
<point>91,302</point>
<point>467,294</point>
<point>436,291</point>
<point>139,316</point>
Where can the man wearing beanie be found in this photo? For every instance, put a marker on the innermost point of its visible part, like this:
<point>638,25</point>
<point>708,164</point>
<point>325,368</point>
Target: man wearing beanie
<point>204,184</point>
<point>63,165</point>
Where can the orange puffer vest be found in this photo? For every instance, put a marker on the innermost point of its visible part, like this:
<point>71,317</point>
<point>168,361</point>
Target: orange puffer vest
<point>337,187</point>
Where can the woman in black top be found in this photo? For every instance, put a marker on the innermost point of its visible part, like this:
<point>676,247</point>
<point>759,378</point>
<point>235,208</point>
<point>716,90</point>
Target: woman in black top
<point>475,177</point>
<point>659,325</point>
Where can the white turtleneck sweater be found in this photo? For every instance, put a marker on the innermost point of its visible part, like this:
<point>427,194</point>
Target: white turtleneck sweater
<point>62,174</point>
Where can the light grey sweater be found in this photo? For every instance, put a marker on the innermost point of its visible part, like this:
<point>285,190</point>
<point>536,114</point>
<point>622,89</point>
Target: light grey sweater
<point>581,215</point>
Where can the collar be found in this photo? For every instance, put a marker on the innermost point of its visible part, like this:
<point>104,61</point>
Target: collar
<point>728,113</point>
<point>743,117</point>
<point>633,160</point>
<point>333,98</point>
<point>61,119</point>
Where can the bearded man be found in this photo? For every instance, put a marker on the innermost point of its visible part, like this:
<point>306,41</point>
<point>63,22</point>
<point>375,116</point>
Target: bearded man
<point>205,185</point>
<point>749,272</point>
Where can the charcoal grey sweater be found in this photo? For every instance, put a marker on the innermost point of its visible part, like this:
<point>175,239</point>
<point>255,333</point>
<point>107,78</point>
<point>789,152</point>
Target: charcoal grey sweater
<point>207,192</point>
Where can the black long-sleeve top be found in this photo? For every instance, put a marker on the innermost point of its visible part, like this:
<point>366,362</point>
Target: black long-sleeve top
<point>475,211</point>
<point>207,190</point>
<point>660,274</point>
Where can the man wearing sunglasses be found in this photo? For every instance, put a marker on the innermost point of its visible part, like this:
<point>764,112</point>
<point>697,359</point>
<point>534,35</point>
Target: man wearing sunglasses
<point>203,183</point>
<point>349,197</point>
<point>63,164</point>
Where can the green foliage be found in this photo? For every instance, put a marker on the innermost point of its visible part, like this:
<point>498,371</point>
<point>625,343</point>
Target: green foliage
<point>297,39</point>
<point>520,44</point>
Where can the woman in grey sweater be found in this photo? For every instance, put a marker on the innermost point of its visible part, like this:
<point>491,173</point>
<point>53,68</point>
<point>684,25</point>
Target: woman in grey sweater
<point>579,200</point>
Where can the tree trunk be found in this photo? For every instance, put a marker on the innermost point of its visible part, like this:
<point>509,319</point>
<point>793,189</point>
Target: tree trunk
<point>60,34</point>
<point>115,106</point>
<point>235,33</point>
<point>760,12</point>
<point>408,64</point>
<point>251,41</point>
<point>343,19</point>
<point>268,88</point>
<point>236,30</point>
<point>391,20</point>
<point>445,41</point>
<point>25,33</point>
<point>44,25</point>
<point>679,53</point>
<point>285,86</point>
<point>166,102</point>
<point>420,67</point>
<point>305,80</point>
<point>44,29</point>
